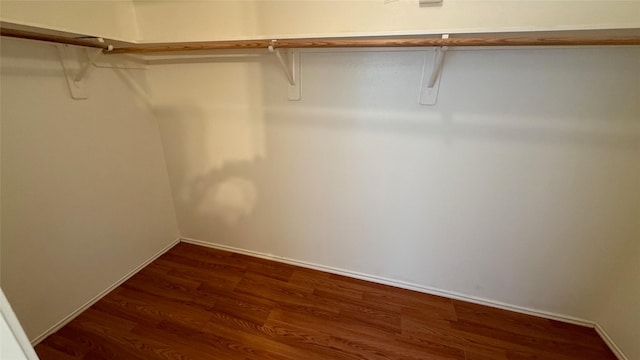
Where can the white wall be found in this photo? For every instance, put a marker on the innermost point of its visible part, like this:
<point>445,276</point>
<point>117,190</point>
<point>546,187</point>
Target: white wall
<point>85,195</point>
<point>115,19</point>
<point>522,185</point>
<point>620,312</point>
<point>188,20</point>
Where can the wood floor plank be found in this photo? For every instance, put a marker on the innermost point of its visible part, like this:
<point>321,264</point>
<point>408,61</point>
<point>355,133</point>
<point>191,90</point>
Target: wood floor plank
<point>315,344</point>
<point>200,303</point>
<point>322,281</point>
<point>255,344</point>
<point>485,354</point>
<point>187,341</point>
<point>47,351</point>
<point>279,271</point>
<point>357,311</point>
<point>153,309</point>
<point>201,252</point>
<point>527,325</point>
<point>243,306</point>
<point>271,289</point>
<point>440,331</point>
<point>202,269</point>
<point>162,283</point>
<point>518,342</point>
<point>108,343</point>
<point>329,334</point>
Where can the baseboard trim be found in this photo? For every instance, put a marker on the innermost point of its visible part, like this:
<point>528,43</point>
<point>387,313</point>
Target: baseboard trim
<point>399,284</point>
<point>104,292</point>
<point>610,343</point>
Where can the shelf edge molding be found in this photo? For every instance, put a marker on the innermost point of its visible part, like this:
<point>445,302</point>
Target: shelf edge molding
<point>54,38</point>
<point>378,42</point>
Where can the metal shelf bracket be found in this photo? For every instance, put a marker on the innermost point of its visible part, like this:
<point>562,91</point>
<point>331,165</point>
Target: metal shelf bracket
<point>74,70</point>
<point>290,63</point>
<point>78,62</point>
<point>430,85</point>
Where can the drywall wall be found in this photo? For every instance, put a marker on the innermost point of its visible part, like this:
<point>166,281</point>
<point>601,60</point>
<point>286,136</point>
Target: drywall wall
<point>619,314</point>
<point>212,20</point>
<point>521,185</point>
<point>114,19</point>
<point>85,194</point>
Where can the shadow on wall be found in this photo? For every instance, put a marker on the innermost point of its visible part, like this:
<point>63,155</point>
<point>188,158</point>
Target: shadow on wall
<point>211,121</point>
<point>227,193</point>
<point>213,133</point>
<point>211,161</point>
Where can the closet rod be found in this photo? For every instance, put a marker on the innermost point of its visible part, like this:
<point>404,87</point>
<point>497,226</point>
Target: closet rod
<point>380,42</point>
<point>51,38</point>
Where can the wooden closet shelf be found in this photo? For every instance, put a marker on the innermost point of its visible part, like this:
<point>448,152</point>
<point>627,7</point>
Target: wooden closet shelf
<point>380,42</point>
<point>330,42</point>
<point>84,41</point>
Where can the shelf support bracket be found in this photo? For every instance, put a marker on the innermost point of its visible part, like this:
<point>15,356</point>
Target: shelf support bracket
<point>72,66</point>
<point>75,70</point>
<point>430,85</point>
<point>92,56</point>
<point>290,63</point>
<point>76,67</point>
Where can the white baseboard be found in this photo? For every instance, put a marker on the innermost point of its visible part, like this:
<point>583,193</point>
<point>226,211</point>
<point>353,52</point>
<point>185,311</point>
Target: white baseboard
<point>104,292</point>
<point>610,343</point>
<point>400,284</point>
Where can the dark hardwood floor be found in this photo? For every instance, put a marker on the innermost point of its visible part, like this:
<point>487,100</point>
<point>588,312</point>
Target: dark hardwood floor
<point>198,303</point>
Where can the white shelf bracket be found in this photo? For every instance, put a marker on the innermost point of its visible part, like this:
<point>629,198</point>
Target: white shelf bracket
<point>76,67</point>
<point>290,63</point>
<point>430,85</point>
<point>70,59</point>
<point>92,56</point>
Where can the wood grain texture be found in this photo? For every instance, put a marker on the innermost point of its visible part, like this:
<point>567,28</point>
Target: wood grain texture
<point>388,41</point>
<point>51,38</point>
<point>378,42</point>
<point>199,303</point>
<point>542,39</point>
